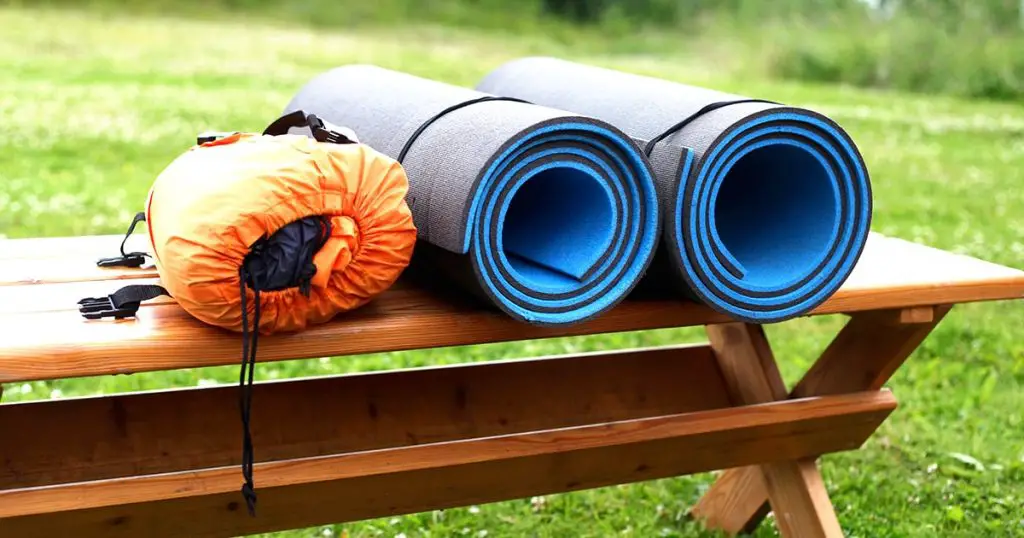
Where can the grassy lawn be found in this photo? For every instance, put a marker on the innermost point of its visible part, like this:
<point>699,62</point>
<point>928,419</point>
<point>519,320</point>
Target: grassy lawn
<point>93,107</point>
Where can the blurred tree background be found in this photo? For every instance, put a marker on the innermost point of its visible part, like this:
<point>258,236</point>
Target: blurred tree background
<point>970,48</point>
<point>967,48</point>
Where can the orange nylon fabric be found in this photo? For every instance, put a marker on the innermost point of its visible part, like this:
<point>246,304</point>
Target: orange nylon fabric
<point>213,202</point>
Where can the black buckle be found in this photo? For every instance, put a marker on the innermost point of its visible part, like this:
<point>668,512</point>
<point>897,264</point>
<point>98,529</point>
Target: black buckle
<point>104,307</point>
<point>127,259</point>
<point>321,130</point>
<point>325,132</point>
<point>132,259</point>
<point>210,136</point>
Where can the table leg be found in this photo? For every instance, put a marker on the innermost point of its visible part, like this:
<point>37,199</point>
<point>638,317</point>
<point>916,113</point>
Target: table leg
<point>863,356</point>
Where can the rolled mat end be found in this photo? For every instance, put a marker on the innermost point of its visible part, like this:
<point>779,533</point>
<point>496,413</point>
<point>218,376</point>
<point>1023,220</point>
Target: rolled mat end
<point>773,216</point>
<point>767,207</point>
<point>551,216</point>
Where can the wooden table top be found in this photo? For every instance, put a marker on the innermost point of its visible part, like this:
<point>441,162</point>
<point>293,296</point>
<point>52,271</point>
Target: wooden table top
<point>42,336</point>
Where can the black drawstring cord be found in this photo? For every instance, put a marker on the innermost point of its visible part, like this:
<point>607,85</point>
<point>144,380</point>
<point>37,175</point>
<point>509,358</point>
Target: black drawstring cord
<point>250,339</point>
<point>245,382</point>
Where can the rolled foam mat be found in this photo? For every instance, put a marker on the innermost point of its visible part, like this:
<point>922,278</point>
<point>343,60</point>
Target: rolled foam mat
<point>550,215</point>
<point>767,207</point>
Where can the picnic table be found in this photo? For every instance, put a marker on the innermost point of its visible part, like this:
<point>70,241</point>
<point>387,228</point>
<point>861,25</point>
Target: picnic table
<point>350,447</point>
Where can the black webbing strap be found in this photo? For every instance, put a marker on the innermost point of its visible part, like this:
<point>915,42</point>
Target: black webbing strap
<point>127,259</point>
<point>321,130</point>
<point>711,107</point>
<point>423,126</point>
<point>123,303</point>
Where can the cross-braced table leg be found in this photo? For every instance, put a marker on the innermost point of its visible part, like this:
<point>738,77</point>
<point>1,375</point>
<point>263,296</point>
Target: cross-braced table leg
<point>863,356</point>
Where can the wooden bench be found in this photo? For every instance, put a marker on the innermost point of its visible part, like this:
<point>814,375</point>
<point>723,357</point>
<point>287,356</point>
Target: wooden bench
<point>350,447</point>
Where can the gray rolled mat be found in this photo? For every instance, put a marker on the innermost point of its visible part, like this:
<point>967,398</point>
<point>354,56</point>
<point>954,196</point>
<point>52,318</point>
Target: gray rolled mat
<point>550,215</point>
<point>767,207</point>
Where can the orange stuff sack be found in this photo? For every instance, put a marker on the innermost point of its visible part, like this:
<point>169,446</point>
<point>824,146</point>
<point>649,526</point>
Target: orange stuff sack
<point>210,206</point>
<point>267,233</point>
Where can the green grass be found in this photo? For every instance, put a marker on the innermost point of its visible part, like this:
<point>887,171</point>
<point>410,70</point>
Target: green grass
<point>93,106</point>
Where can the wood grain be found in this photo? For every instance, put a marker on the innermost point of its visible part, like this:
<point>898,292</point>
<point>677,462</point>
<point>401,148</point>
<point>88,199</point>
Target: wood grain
<point>886,264</point>
<point>409,317</point>
<point>736,502</point>
<point>363,484</point>
<point>863,356</point>
<point>747,363</point>
<point>113,436</point>
<point>56,271</point>
<point>795,488</point>
<point>799,500</point>
<point>165,337</point>
<point>68,259</point>
<point>86,247</point>
<point>916,315</point>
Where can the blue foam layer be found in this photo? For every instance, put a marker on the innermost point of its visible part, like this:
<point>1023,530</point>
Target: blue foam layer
<point>557,226</point>
<point>775,217</point>
<point>577,292</point>
<point>776,213</point>
<point>566,186</point>
<point>560,158</point>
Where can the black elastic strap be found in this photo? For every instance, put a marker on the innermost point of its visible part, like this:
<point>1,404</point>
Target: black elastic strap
<point>649,147</point>
<point>127,259</point>
<point>423,126</point>
<point>123,303</point>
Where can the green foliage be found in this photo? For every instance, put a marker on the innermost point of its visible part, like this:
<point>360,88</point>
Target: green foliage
<point>969,49</point>
<point>904,54</point>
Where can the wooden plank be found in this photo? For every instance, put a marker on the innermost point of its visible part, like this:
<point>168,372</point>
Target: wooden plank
<point>19,301</point>
<point>312,491</point>
<point>736,502</point>
<point>917,314</point>
<point>747,363</point>
<point>799,500</point>
<point>891,273</point>
<point>68,259</point>
<point>888,265</point>
<point>165,337</point>
<point>56,271</point>
<point>84,439</point>
<point>863,356</point>
<point>408,317</point>
<point>795,488</point>
<point>88,247</point>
